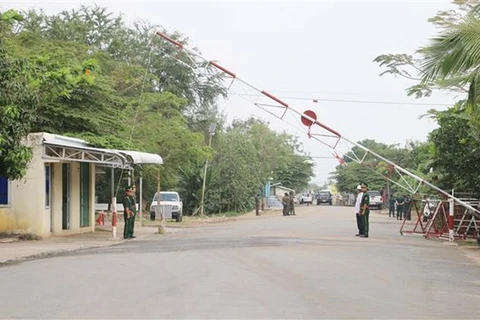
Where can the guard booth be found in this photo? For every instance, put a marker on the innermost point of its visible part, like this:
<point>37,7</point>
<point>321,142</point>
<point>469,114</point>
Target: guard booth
<point>57,194</point>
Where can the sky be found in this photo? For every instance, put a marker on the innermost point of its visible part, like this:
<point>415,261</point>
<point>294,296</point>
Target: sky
<point>320,50</point>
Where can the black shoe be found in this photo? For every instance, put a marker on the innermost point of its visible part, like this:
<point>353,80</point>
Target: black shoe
<point>363,236</point>
<point>358,235</point>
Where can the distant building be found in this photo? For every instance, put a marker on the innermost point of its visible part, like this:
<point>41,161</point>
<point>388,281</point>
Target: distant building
<point>279,191</point>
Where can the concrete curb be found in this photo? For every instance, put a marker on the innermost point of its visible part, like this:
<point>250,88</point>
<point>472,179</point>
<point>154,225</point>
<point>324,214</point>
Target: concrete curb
<point>54,253</point>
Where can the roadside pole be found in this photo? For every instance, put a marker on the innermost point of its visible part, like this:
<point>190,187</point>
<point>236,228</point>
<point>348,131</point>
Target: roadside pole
<point>114,206</point>
<point>140,203</point>
<point>158,210</point>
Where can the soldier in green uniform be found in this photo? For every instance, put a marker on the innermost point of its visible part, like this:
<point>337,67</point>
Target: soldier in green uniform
<point>291,204</point>
<point>129,213</point>
<point>407,207</point>
<point>391,206</point>
<point>134,205</point>
<point>257,203</point>
<point>364,211</point>
<point>285,202</point>
<point>400,203</point>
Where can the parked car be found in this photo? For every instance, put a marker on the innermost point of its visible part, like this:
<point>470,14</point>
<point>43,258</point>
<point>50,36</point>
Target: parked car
<point>376,200</point>
<point>306,198</point>
<point>324,197</point>
<point>168,198</point>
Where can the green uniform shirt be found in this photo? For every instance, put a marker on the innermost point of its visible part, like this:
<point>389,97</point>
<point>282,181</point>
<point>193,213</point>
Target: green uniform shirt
<point>365,201</point>
<point>133,204</point>
<point>400,201</point>
<point>129,202</point>
<point>292,200</point>
<point>392,201</point>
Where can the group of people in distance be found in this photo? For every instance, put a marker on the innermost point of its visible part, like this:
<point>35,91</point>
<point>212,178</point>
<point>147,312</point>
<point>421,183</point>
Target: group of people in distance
<point>402,206</point>
<point>288,202</point>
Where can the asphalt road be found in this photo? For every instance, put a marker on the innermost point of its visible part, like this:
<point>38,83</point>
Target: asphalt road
<point>307,266</point>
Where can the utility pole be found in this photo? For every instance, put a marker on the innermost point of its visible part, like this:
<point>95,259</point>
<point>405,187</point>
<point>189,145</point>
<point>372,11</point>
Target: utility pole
<point>211,132</point>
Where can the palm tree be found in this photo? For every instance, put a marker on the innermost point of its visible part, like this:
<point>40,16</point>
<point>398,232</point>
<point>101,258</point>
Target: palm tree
<point>453,59</point>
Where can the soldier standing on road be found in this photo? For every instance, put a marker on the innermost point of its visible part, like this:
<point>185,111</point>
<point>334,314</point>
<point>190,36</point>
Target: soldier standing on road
<point>407,207</point>
<point>364,210</point>
<point>291,204</point>
<point>133,200</point>
<point>257,204</point>
<point>285,202</point>
<point>357,212</point>
<point>400,203</point>
<point>129,212</point>
<point>391,206</point>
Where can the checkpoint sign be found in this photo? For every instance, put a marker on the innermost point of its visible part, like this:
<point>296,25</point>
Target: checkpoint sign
<point>307,122</point>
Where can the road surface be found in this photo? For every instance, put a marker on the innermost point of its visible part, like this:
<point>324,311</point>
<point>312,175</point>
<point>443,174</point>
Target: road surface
<point>307,266</point>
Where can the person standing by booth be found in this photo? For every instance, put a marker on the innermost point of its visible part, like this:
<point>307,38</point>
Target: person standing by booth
<point>129,213</point>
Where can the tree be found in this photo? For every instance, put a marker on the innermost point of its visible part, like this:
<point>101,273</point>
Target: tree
<point>350,176</point>
<point>410,66</point>
<point>248,153</point>
<point>18,104</point>
<point>278,154</point>
<point>85,73</point>
<point>155,124</point>
<point>103,32</point>
<point>416,157</point>
<point>237,177</point>
<point>449,62</point>
<point>457,154</point>
<point>296,172</point>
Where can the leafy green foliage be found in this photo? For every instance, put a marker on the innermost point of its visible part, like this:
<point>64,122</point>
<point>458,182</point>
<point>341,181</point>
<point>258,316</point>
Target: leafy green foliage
<point>18,105</point>
<point>457,154</point>
<point>238,170</point>
<point>415,157</point>
<point>85,73</point>
<point>450,61</point>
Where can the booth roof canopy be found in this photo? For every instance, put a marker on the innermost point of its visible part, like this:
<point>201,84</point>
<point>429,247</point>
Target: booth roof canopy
<point>132,157</point>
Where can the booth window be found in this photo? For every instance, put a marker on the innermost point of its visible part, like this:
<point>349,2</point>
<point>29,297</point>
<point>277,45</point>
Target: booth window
<point>48,179</point>
<point>4,191</point>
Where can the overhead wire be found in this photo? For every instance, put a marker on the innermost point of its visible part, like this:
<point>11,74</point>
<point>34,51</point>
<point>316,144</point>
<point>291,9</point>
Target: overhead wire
<point>315,100</point>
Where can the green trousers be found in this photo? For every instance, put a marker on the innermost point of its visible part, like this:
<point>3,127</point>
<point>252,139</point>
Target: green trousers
<point>132,223</point>
<point>366,216</point>
<point>128,226</point>
<point>400,212</point>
